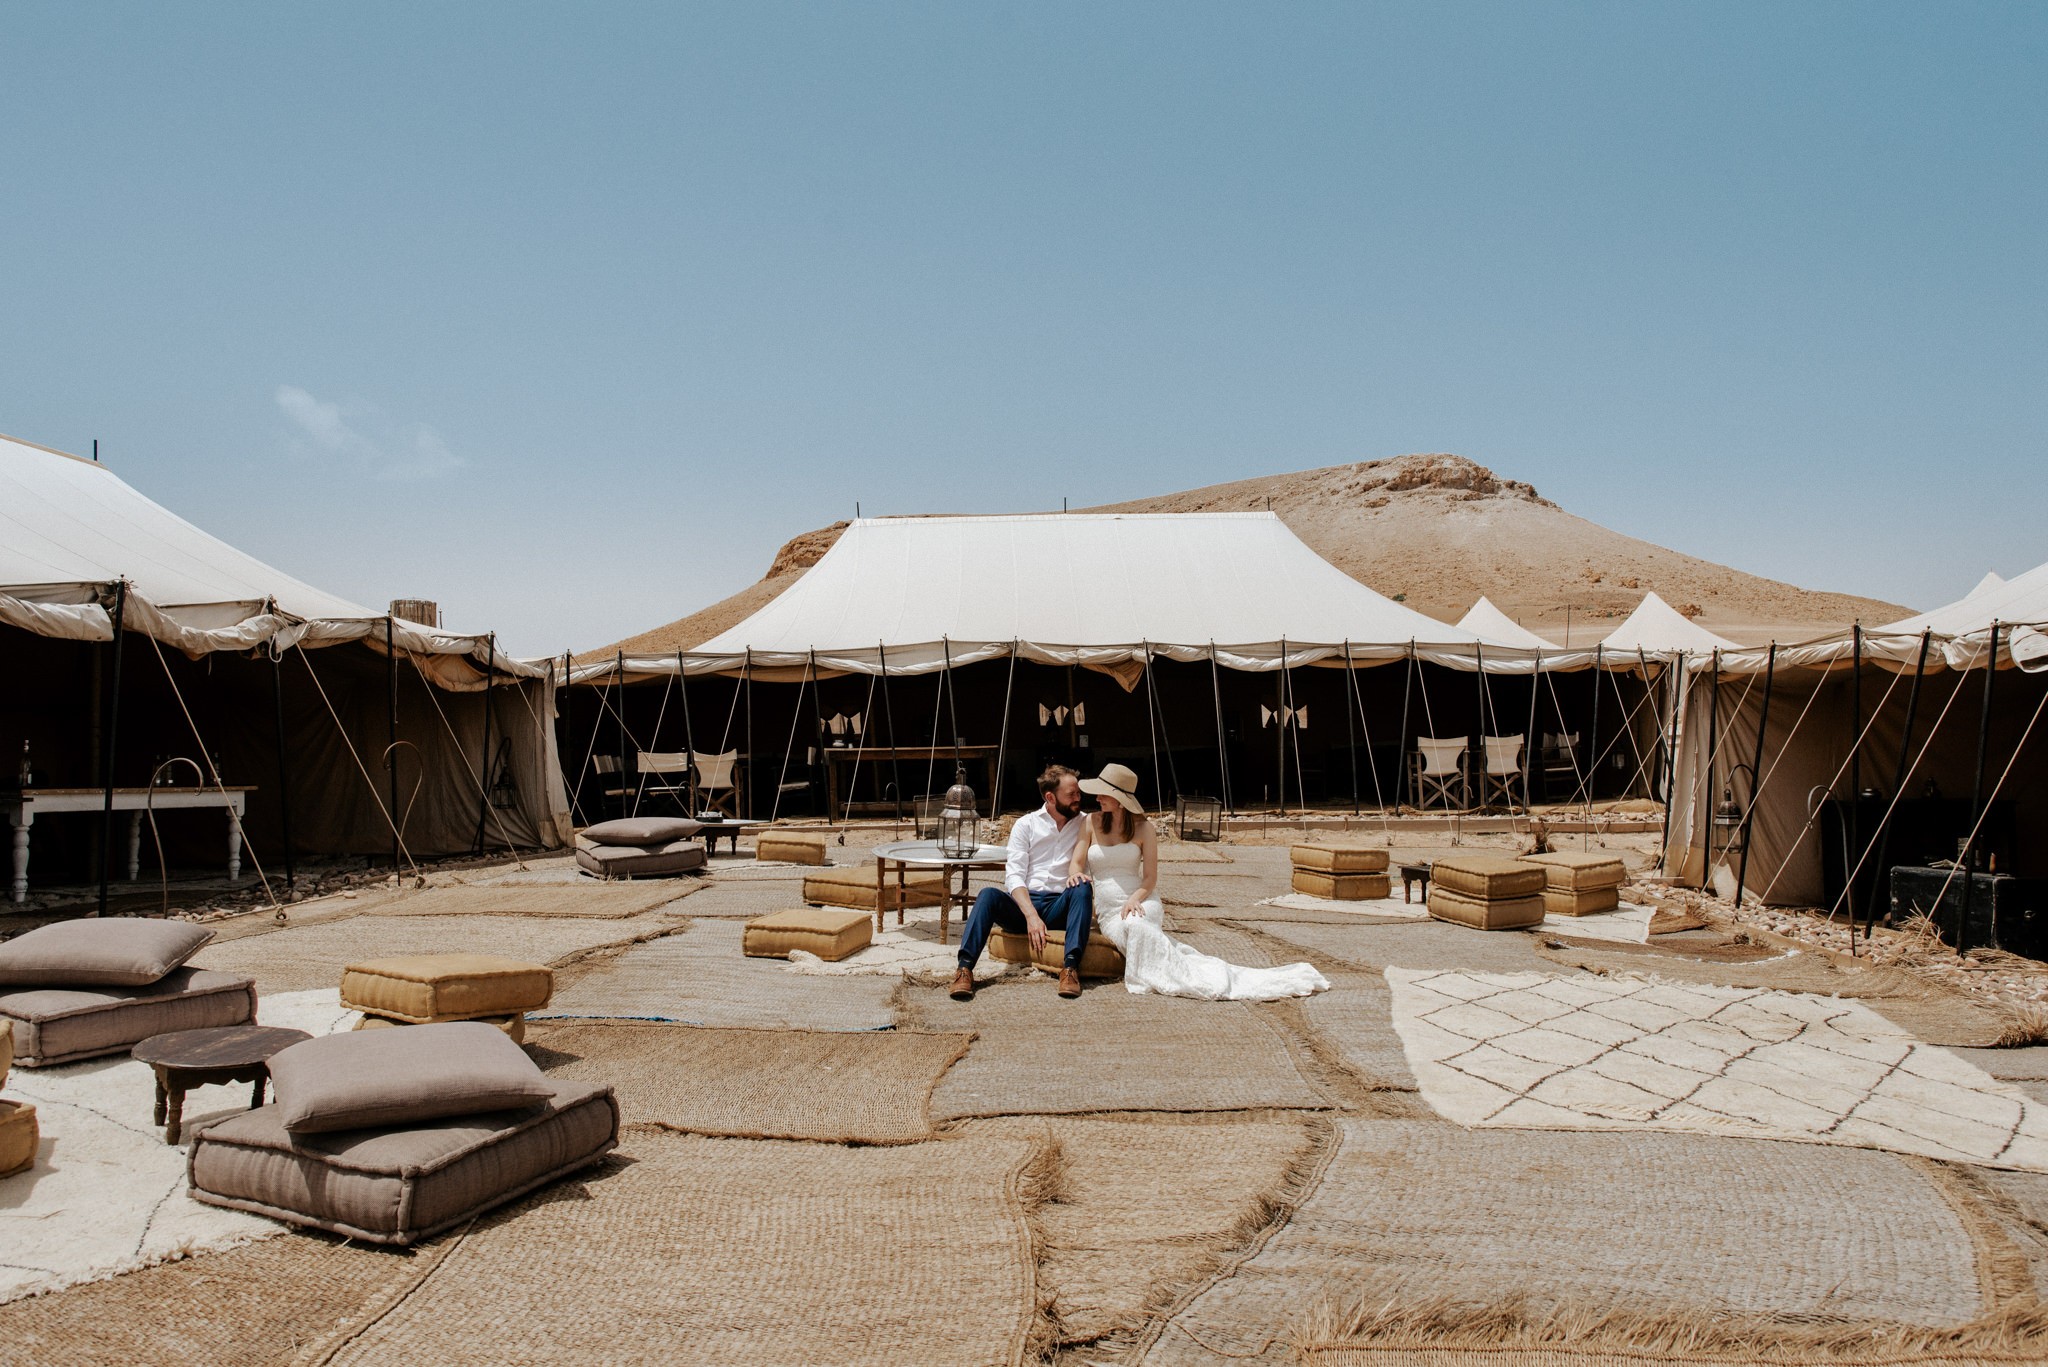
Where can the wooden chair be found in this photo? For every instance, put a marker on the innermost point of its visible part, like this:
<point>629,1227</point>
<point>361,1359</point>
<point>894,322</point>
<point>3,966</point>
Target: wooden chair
<point>661,765</point>
<point>1437,773</point>
<point>611,784</point>
<point>1502,774</point>
<point>718,782</point>
<point>1560,766</point>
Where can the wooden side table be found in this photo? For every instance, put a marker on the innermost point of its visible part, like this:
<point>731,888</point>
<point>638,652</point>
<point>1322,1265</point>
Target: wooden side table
<point>1411,874</point>
<point>186,1059</point>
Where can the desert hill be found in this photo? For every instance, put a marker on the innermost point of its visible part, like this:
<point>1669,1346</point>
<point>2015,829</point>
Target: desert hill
<point>1439,531</point>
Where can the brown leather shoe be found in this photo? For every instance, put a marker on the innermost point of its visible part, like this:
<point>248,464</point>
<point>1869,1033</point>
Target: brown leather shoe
<point>963,985</point>
<point>1070,983</point>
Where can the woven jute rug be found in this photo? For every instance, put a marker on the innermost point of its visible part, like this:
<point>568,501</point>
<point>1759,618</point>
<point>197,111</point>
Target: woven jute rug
<point>303,957</point>
<point>588,897</point>
<point>1128,1230</point>
<point>1418,944</point>
<point>699,976</point>
<point>735,1251</point>
<point>1356,1019</point>
<point>867,1087</point>
<point>1416,1210</point>
<point>1480,1355</point>
<point>1107,1050</point>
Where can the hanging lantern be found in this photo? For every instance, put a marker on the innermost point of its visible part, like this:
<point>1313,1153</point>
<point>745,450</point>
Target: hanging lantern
<point>1727,831</point>
<point>959,829</point>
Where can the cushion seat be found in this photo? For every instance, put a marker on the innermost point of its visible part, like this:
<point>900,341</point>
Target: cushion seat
<point>431,989</point>
<point>53,1025</point>
<point>792,847</point>
<point>1567,872</point>
<point>1099,958</point>
<point>830,934</point>
<point>1343,887</point>
<point>19,1137</point>
<point>640,861</point>
<point>856,888</point>
<point>1481,913</point>
<point>406,1183</point>
<point>1488,876</point>
<point>1580,902</point>
<point>1340,858</point>
<point>514,1026</point>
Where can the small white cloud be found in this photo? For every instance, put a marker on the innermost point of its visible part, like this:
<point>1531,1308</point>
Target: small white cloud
<point>382,451</point>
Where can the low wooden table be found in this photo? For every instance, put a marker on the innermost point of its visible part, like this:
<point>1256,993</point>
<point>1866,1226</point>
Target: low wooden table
<point>186,1059</point>
<point>1411,874</point>
<point>924,854</point>
<point>730,829</point>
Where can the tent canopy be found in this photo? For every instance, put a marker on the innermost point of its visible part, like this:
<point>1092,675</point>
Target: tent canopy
<point>1497,627</point>
<point>1655,627</point>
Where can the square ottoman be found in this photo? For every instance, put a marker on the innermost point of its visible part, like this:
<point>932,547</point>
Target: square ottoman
<point>400,1185</point>
<point>18,1137</point>
<point>640,861</point>
<point>1340,858</point>
<point>1342,887</point>
<point>1567,872</point>
<point>1099,958</point>
<point>1585,902</point>
<point>513,1026</point>
<point>856,888</point>
<point>828,933</point>
<point>1480,913</point>
<point>429,989</point>
<point>1488,876</point>
<point>54,1025</point>
<point>792,847</point>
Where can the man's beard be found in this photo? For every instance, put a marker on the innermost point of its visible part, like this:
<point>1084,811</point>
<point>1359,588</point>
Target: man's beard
<point>1067,812</point>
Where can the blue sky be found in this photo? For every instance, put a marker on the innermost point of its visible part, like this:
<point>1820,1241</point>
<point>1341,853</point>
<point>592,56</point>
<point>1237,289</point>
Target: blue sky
<point>567,316</point>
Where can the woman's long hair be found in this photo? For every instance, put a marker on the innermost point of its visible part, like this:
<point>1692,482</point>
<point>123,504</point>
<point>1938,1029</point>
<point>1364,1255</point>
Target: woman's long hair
<point>1111,811</point>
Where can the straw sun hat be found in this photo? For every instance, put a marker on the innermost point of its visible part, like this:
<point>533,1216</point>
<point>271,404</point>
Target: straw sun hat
<point>1119,783</point>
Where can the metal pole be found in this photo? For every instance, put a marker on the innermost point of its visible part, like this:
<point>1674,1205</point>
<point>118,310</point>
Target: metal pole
<point>1529,735</point>
<point>619,669</point>
<point>1478,760</point>
<point>1401,740</point>
<point>1593,737</point>
<point>1280,730</point>
<point>1351,724</point>
<point>1222,750</point>
<point>889,714</point>
<point>1674,685</point>
<point>1713,757</point>
<point>1152,730</point>
<point>1756,776</point>
<point>995,805</point>
<point>284,791</point>
<point>391,719</point>
<point>483,797</point>
<point>818,734</point>
<point>1977,793</point>
<point>952,705</point>
<point>689,739</point>
<point>107,751</point>
<point>1884,827</point>
<point>747,759</point>
<point>1852,857</point>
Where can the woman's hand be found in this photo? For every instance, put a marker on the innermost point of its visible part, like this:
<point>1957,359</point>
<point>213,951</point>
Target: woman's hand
<point>1075,880</point>
<point>1134,907</point>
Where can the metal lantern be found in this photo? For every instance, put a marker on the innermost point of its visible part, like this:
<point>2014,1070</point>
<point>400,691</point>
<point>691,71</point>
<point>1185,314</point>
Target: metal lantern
<point>1199,818</point>
<point>959,830</point>
<point>1727,831</point>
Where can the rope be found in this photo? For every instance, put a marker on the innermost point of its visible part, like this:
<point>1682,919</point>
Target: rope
<point>218,787</point>
<point>867,716</point>
<point>1358,702</point>
<point>1996,788</point>
<point>667,687</point>
<point>363,769</point>
<point>795,713</point>
<point>1152,730</point>
<point>462,754</point>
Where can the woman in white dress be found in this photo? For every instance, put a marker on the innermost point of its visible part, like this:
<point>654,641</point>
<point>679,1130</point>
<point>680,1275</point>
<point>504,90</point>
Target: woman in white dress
<point>1119,853</point>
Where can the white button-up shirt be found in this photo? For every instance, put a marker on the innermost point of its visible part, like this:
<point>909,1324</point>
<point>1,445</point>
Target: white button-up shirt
<point>1041,852</point>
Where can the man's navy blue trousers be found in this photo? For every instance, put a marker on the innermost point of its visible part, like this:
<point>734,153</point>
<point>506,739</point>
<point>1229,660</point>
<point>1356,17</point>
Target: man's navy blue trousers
<point>1071,911</point>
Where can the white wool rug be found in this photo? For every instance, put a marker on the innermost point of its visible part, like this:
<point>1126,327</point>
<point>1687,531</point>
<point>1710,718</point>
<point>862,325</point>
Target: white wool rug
<point>1384,906</point>
<point>1536,1051</point>
<point>106,1195</point>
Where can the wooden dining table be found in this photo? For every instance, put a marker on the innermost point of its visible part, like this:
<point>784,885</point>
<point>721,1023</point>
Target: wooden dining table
<point>886,760</point>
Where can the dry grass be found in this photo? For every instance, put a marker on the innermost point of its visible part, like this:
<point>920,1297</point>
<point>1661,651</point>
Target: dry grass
<point>2027,1025</point>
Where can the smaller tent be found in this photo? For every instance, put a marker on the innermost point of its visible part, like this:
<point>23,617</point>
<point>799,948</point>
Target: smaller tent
<point>1657,628</point>
<point>2019,607</point>
<point>1495,626</point>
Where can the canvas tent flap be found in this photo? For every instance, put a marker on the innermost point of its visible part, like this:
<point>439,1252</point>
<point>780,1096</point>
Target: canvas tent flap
<point>66,621</point>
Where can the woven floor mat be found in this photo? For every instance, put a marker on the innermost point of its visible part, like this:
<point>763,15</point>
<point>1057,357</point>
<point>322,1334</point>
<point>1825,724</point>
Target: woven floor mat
<point>1224,942</point>
<point>699,976</point>
<point>746,898</point>
<point>1172,852</point>
<point>1129,1229</point>
<point>589,897</point>
<point>301,958</point>
<point>1356,1020</point>
<point>251,1306</point>
<point>1107,1050</point>
<point>1919,1005</point>
<point>842,1087</point>
<point>1411,1210</point>
<point>739,1252</point>
<point>1487,1355</point>
<point>1417,944</point>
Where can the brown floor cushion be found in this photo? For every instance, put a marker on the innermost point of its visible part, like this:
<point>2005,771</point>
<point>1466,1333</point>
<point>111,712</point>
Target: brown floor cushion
<point>121,951</point>
<point>642,830</point>
<point>386,1079</point>
<point>18,1137</point>
<point>6,1054</point>
<point>513,1026</point>
<point>1340,858</point>
<point>791,847</point>
<point>640,861</point>
<point>1590,869</point>
<point>1099,958</point>
<point>825,932</point>
<point>64,1024</point>
<point>1485,875</point>
<point>1342,887</point>
<point>397,1186</point>
<point>431,989</point>
<point>1582,902</point>
<point>856,888</point>
<point>1500,913</point>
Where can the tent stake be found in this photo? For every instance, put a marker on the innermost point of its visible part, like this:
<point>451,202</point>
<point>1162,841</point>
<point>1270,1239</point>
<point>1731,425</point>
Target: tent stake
<point>284,792</point>
<point>1966,856</point>
<point>391,719</point>
<point>107,751</point>
<point>1222,750</point>
<point>1756,771</point>
<point>1884,827</point>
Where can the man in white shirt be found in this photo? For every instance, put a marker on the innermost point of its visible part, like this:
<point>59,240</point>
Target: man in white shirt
<point>1037,893</point>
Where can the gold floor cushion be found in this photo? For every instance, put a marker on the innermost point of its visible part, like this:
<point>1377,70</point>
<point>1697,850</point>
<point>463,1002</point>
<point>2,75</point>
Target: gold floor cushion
<point>856,888</point>
<point>1340,858</point>
<point>1581,901</point>
<point>1568,872</point>
<point>431,988</point>
<point>6,1052</point>
<point>1099,958</point>
<point>1342,887</point>
<point>1482,913</point>
<point>791,847</point>
<point>823,931</point>
<point>18,1136</point>
<point>1487,876</point>
<point>513,1026</point>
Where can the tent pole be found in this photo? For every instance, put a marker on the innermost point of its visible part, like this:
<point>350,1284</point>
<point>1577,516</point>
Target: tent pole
<point>1756,770</point>
<point>952,705</point>
<point>1713,758</point>
<point>1963,858</point>
<point>1674,687</point>
<point>1401,740</point>
<point>747,757</point>
<point>1854,831</point>
<point>889,714</point>
<point>1884,828</point>
<point>1280,730</point>
<point>619,668</point>
<point>995,803</point>
<point>1351,723</point>
<point>391,717</point>
<point>689,740</point>
<point>1152,730</point>
<point>107,750</point>
<point>1222,751</point>
<point>1479,677</point>
<point>1529,734</point>
<point>284,792</point>
<point>1593,741</point>
<point>818,732</point>
<point>483,797</point>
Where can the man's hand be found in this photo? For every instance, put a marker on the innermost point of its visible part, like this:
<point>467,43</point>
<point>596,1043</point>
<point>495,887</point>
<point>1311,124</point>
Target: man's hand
<point>1075,880</point>
<point>1034,926</point>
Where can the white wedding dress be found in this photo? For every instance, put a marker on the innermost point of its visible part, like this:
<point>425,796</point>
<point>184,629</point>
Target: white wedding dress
<point>1155,962</point>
